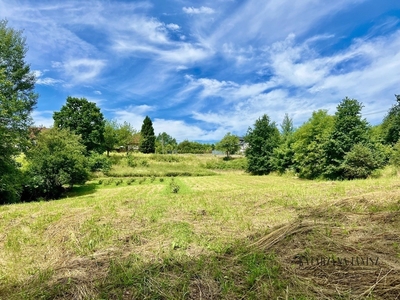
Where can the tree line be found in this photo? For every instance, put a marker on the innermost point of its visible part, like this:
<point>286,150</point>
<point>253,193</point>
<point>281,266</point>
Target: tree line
<point>335,147</point>
<point>340,146</point>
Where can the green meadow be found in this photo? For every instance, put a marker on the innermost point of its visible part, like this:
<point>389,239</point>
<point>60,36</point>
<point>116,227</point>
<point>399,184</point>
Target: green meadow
<point>199,227</point>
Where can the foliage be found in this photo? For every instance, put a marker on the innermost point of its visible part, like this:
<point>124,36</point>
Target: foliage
<point>308,141</point>
<point>395,157</point>
<point>84,118</point>
<point>147,144</point>
<point>223,164</point>
<point>348,130</point>
<point>17,100</point>
<point>174,187</point>
<point>193,147</point>
<point>229,144</point>
<point>125,136</point>
<point>359,162</point>
<point>165,143</point>
<point>391,124</point>
<point>283,156</point>
<point>287,128</point>
<point>262,140</point>
<point>110,135</point>
<point>55,161</point>
<point>99,162</point>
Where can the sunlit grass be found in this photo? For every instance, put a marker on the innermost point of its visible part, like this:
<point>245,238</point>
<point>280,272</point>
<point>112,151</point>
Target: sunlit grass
<point>133,240</point>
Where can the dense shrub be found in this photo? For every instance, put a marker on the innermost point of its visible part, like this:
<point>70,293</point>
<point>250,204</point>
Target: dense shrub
<point>56,160</point>
<point>359,162</point>
<point>99,162</point>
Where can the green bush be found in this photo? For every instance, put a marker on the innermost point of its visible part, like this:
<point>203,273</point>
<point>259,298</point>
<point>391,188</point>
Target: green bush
<point>99,162</point>
<point>359,162</point>
<point>56,160</point>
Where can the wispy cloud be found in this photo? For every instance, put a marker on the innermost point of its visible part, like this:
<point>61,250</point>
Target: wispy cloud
<point>199,10</point>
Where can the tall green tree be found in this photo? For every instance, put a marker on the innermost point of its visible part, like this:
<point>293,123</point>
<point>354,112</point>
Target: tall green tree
<point>349,129</point>
<point>391,124</point>
<point>83,118</point>
<point>261,140</point>
<point>229,144</point>
<point>165,143</point>
<point>283,154</point>
<point>17,100</point>
<point>148,142</point>
<point>308,145</point>
<point>56,160</point>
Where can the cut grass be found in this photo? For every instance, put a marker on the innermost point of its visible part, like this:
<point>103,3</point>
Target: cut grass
<point>210,240</point>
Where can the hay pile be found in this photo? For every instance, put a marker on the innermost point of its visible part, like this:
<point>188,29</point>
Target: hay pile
<point>339,251</point>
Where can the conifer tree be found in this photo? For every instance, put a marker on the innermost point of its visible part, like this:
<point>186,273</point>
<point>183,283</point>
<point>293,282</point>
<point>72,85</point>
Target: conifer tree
<point>148,142</point>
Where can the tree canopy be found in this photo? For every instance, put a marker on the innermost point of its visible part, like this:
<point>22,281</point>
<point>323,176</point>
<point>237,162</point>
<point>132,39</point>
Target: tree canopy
<point>229,144</point>
<point>165,143</point>
<point>262,140</point>
<point>85,119</point>
<point>17,100</point>
<point>56,160</point>
<point>391,124</point>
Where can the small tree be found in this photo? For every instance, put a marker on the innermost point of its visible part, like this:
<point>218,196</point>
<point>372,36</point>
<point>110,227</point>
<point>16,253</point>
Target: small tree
<point>110,135</point>
<point>165,143</point>
<point>147,144</point>
<point>262,140</point>
<point>229,144</point>
<point>359,162</point>
<point>348,130</point>
<point>56,160</point>
<point>125,135</point>
<point>83,118</point>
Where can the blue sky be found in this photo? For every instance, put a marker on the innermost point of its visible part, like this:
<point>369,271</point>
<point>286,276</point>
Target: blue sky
<point>200,69</point>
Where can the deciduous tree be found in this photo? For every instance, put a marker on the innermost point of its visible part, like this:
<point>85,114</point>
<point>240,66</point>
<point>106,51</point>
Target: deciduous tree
<point>229,144</point>
<point>83,118</point>
<point>56,160</point>
<point>17,100</point>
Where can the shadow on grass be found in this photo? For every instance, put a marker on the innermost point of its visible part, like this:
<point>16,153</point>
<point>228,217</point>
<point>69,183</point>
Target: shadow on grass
<point>81,190</point>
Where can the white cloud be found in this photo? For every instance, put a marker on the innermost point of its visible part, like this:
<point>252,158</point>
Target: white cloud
<point>40,80</point>
<point>97,92</point>
<point>83,70</point>
<point>200,10</point>
<point>133,114</point>
<point>172,26</point>
<point>43,118</point>
<point>228,90</point>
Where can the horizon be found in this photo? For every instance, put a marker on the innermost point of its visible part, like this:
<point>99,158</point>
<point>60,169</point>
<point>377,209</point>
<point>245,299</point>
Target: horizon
<point>202,70</point>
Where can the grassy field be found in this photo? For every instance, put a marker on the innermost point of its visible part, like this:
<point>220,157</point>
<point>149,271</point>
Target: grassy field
<point>225,236</point>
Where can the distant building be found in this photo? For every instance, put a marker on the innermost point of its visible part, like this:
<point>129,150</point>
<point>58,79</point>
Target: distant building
<point>243,145</point>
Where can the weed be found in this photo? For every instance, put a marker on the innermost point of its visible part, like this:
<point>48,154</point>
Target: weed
<point>130,181</point>
<point>174,187</point>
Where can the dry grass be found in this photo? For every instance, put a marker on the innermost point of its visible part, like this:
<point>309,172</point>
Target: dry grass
<point>233,235</point>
